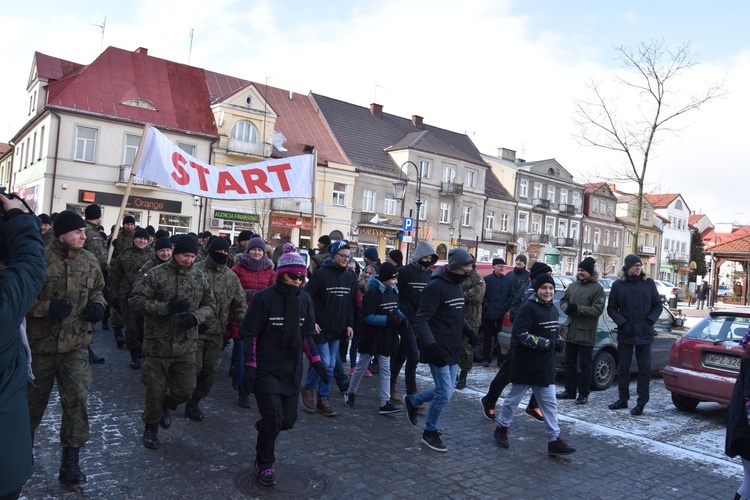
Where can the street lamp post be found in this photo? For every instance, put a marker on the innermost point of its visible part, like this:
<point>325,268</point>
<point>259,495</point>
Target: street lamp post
<point>452,229</point>
<point>198,202</point>
<point>399,191</point>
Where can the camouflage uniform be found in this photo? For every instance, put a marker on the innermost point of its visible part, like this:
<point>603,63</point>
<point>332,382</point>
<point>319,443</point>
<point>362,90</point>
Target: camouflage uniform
<point>59,346</point>
<point>474,288</point>
<point>123,241</point>
<point>96,245</point>
<point>202,253</point>
<point>230,298</point>
<point>317,260</point>
<point>48,237</point>
<point>233,253</point>
<point>169,370</point>
<point>124,274</point>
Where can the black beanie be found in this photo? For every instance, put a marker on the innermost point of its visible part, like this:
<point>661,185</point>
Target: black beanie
<point>397,256</point>
<point>140,233</point>
<point>632,260</point>
<point>67,221</point>
<point>45,219</point>
<point>541,280</point>
<point>387,271</point>
<point>539,268</point>
<point>497,261</point>
<point>588,264</point>
<point>128,219</point>
<point>186,244</point>
<point>522,258</point>
<point>245,235</point>
<point>325,239</point>
<point>162,243</point>
<point>219,243</point>
<point>161,233</point>
<point>93,211</point>
<point>151,230</point>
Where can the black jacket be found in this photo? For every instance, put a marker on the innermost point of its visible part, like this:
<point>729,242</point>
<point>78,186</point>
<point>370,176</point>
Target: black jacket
<point>332,290</point>
<point>411,282</point>
<point>376,335</point>
<point>634,305</point>
<point>497,296</point>
<point>738,431</point>
<point>532,365</point>
<point>519,279</point>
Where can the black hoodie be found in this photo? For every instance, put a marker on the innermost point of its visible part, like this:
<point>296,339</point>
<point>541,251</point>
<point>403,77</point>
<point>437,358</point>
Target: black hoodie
<point>332,290</point>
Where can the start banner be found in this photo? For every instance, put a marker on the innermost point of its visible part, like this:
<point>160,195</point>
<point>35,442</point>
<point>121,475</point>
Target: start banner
<point>163,162</point>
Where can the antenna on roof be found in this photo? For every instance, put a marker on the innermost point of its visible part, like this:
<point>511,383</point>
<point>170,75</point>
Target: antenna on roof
<point>101,26</point>
<point>190,50</point>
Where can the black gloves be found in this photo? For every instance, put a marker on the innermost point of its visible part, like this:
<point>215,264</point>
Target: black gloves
<point>534,342</point>
<point>319,367</point>
<point>188,321</point>
<point>203,327</point>
<point>571,309</point>
<point>394,320</point>
<point>60,309</point>
<point>433,355</point>
<point>248,379</point>
<point>115,303</point>
<point>559,345</point>
<point>94,312</point>
<point>178,306</point>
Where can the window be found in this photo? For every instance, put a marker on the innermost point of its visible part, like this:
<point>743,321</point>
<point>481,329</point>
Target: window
<point>606,237</point>
<point>244,132</point>
<point>562,228</point>
<point>41,143</point>
<point>666,244</point>
<point>28,151</point>
<point>610,208</point>
<point>523,188</point>
<point>466,218</point>
<point>368,201</point>
<point>563,195</point>
<point>471,178</point>
<point>131,149</point>
<point>85,144</point>
<point>33,149</point>
<point>175,224</point>
<point>449,173</point>
<point>549,226</point>
<point>188,148</point>
<point>597,235</point>
<point>389,205</point>
<point>551,193</point>
<point>683,247</point>
<point>628,239</point>
<point>423,210</point>
<point>537,190</point>
<point>587,235</point>
<point>536,224</point>
<point>504,219</point>
<point>678,205</point>
<point>577,199</point>
<point>615,238</point>
<point>645,215</point>
<point>424,168</point>
<point>445,212</point>
<point>595,206</point>
<point>574,229</point>
<point>523,221</point>
<point>490,223</point>
<point>339,194</point>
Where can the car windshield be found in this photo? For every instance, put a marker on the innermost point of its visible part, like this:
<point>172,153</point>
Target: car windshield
<point>720,328</point>
<point>667,284</point>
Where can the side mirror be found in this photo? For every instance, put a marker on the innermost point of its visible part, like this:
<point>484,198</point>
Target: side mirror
<point>678,322</point>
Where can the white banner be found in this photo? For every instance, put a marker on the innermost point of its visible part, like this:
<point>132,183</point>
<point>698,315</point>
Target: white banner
<point>163,162</point>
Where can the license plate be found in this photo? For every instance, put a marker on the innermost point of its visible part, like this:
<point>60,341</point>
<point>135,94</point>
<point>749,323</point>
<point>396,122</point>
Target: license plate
<point>725,362</point>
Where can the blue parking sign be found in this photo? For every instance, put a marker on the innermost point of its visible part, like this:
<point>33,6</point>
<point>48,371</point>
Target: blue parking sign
<point>408,223</point>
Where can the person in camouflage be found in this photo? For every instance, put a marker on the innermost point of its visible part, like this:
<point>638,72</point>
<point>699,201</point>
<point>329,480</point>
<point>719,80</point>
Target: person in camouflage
<point>174,298</point>
<point>59,332</point>
<point>96,245</point>
<point>124,240</point>
<point>125,272</point>
<point>321,254</point>
<point>230,298</point>
<point>239,248</point>
<point>46,229</point>
<point>474,287</point>
<point>203,242</point>
<point>162,253</point>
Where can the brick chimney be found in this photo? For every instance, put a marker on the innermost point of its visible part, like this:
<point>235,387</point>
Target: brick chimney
<point>376,109</point>
<point>417,120</point>
<point>142,50</point>
<point>506,154</point>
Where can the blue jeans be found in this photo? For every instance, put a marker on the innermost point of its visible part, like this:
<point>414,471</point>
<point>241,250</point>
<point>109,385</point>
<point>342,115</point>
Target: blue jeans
<point>339,374</point>
<point>328,354</point>
<point>444,378</point>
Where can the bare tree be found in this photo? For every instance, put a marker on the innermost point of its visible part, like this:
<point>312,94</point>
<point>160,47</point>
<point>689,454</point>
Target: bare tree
<point>653,74</point>
<point>262,208</point>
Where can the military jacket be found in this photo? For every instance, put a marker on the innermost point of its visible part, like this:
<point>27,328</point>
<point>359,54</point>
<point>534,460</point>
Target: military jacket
<point>125,271</point>
<point>74,275</point>
<point>48,237</point>
<point>163,336</point>
<point>228,293</point>
<point>474,288</point>
<point>96,245</point>
<point>123,241</point>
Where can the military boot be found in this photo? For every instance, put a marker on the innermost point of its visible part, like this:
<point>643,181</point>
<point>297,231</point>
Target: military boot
<point>119,337</point>
<point>243,399</point>
<point>70,471</point>
<point>135,359</point>
<point>461,381</point>
<point>93,358</point>
<point>151,436</point>
<point>193,411</point>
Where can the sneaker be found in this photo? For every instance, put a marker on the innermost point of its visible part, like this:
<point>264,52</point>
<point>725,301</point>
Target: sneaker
<point>489,413</point>
<point>307,399</point>
<point>368,373</point>
<point>582,400</point>
<point>566,395</point>
<point>559,447</point>
<point>388,408</point>
<point>433,441</point>
<point>266,477</point>
<point>351,370</point>
<point>324,407</point>
<point>411,411</point>
<point>501,437</point>
<point>535,413</point>
<point>349,400</point>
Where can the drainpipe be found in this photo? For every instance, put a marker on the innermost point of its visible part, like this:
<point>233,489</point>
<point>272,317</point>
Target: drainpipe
<point>54,164</point>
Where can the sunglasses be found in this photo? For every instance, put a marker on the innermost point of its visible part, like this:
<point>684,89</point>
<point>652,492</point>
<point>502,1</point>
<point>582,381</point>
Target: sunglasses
<point>296,277</point>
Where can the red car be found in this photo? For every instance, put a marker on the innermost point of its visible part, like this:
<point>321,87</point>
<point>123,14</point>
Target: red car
<point>704,363</point>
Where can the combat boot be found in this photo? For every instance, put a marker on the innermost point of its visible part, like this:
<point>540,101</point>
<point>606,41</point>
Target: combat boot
<point>243,399</point>
<point>119,337</point>
<point>94,359</point>
<point>151,436</point>
<point>461,381</point>
<point>193,411</point>
<point>70,471</point>
<point>135,359</point>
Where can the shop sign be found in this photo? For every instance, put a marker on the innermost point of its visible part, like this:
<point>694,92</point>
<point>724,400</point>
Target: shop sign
<point>290,222</point>
<point>236,216</point>
<point>134,202</point>
<point>380,233</point>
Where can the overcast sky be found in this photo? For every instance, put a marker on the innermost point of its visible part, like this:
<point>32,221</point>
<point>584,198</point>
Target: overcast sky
<point>504,72</point>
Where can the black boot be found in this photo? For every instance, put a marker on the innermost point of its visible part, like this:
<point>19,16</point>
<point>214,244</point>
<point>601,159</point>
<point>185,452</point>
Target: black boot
<point>135,359</point>
<point>70,471</point>
<point>94,359</point>
<point>166,418</point>
<point>243,399</point>
<point>119,337</point>
<point>461,381</point>
<point>193,411</point>
<point>151,436</point>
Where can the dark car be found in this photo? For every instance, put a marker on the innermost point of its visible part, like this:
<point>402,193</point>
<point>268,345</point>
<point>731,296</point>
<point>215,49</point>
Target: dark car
<point>704,363</point>
<point>668,329</point>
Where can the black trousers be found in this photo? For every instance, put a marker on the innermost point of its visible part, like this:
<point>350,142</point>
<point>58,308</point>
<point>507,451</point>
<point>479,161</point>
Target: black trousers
<point>643,358</point>
<point>409,353</point>
<point>501,380</point>
<point>489,338</point>
<point>277,413</point>
<point>576,356</point>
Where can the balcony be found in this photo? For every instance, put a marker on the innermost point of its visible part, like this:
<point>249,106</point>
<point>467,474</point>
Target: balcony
<point>539,238</point>
<point>451,188</point>
<point>567,208</point>
<point>125,171</point>
<point>567,242</point>
<point>249,148</point>
<point>541,204</point>
<point>298,206</point>
<point>646,250</point>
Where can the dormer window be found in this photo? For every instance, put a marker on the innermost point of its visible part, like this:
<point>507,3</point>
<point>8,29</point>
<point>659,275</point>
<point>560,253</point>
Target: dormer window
<point>248,100</point>
<point>137,103</point>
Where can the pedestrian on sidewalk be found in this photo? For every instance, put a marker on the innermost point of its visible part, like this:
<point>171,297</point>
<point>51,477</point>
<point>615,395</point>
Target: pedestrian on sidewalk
<point>495,304</point>
<point>380,322</point>
<point>701,295</point>
<point>440,325</point>
<point>277,328</point>
<point>532,365</point>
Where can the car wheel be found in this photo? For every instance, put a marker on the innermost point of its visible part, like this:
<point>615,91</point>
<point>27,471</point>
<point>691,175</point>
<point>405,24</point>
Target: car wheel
<point>684,403</point>
<point>604,371</point>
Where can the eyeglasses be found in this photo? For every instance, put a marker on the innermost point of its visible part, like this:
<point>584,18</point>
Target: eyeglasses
<point>296,277</point>
<point>346,256</point>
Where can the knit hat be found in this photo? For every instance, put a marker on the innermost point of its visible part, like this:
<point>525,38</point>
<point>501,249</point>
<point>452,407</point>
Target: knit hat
<point>522,258</point>
<point>631,260</point>
<point>245,235</point>
<point>140,233</point>
<point>290,262</point>
<point>128,219</point>
<point>458,257</point>
<point>219,243</point>
<point>542,279</point>
<point>67,221</point>
<point>325,239</point>
<point>539,268</point>
<point>588,264</point>
<point>162,243</point>
<point>151,230</point>
<point>186,244</point>
<point>387,271</point>
<point>336,246</point>
<point>45,219</point>
<point>397,256</point>
<point>371,254</point>
<point>94,211</point>
<point>256,242</point>
<point>498,261</point>
<point>161,233</point>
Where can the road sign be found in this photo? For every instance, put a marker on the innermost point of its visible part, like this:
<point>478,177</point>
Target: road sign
<point>408,223</point>
<point>407,239</point>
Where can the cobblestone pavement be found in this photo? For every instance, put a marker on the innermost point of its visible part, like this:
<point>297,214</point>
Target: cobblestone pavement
<point>361,454</point>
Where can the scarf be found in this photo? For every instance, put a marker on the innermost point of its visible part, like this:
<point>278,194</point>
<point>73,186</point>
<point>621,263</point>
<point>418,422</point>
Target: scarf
<point>291,294</point>
<point>255,264</point>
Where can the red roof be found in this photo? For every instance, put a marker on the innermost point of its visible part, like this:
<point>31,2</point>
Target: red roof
<point>4,148</point>
<point>739,245</point>
<point>694,218</point>
<point>178,92</point>
<point>661,200</point>
<point>712,238</point>
<point>591,187</point>
<point>53,68</point>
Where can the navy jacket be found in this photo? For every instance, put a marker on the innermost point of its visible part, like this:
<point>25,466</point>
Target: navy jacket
<point>376,335</point>
<point>634,305</point>
<point>497,296</point>
<point>332,290</point>
<point>529,365</point>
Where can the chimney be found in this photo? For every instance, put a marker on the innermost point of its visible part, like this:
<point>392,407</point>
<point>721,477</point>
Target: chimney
<point>376,109</point>
<point>141,50</point>
<point>506,154</point>
<point>417,120</point>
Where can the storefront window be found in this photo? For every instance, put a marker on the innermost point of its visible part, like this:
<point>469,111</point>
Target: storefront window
<point>175,224</point>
